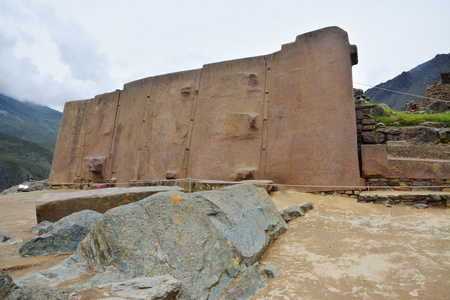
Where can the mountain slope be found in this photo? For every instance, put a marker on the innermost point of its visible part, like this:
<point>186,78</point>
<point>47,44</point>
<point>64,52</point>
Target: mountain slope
<point>19,159</point>
<point>29,121</point>
<point>412,82</point>
<point>27,139</point>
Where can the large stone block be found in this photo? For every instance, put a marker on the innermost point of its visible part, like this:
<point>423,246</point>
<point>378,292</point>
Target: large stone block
<point>288,117</point>
<point>53,207</point>
<point>399,160</point>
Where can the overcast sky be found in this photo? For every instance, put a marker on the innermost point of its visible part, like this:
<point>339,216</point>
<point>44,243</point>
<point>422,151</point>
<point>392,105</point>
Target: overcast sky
<point>53,51</point>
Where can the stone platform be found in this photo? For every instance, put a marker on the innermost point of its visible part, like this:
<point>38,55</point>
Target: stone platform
<point>432,199</point>
<point>52,207</point>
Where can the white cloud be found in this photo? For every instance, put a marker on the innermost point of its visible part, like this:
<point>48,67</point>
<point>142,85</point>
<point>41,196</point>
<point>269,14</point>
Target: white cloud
<point>55,51</point>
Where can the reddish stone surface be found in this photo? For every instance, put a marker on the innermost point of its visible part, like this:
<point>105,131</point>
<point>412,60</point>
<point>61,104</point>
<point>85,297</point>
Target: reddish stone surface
<point>397,160</point>
<point>267,117</point>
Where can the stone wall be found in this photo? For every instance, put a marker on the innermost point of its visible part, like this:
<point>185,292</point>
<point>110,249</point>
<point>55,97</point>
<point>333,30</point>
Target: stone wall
<point>435,99</point>
<point>264,117</point>
<point>401,158</point>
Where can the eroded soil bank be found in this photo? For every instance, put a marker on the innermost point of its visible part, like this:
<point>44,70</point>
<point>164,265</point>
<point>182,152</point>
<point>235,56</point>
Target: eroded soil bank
<point>339,250</point>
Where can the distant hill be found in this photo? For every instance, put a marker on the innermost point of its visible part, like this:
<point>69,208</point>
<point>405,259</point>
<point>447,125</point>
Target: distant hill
<point>412,82</point>
<point>27,139</point>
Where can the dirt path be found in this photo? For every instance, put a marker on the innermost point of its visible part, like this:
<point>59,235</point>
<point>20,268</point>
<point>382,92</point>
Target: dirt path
<point>18,213</point>
<point>340,250</point>
<point>348,250</point>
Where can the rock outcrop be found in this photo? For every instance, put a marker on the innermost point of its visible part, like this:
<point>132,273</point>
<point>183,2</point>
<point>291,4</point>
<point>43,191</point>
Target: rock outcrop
<point>62,236</point>
<point>210,241</point>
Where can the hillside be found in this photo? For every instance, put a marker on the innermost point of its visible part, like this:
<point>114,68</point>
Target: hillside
<point>29,121</point>
<point>412,82</point>
<point>20,158</point>
<point>27,139</point>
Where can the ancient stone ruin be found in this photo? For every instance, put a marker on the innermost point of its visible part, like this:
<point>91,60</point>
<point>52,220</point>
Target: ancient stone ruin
<point>288,117</point>
<point>435,99</point>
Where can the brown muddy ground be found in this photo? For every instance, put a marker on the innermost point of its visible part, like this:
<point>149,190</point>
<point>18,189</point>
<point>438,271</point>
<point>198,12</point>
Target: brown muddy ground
<point>348,250</point>
<point>340,250</point>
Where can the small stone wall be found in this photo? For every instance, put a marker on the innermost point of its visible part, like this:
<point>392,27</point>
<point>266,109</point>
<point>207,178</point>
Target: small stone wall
<point>407,183</point>
<point>434,200</point>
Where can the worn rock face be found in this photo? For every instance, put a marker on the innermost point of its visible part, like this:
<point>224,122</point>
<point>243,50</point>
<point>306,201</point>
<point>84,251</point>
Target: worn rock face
<point>62,236</point>
<point>11,291</point>
<point>401,160</point>
<point>209,241</point>
<point>9,238</point>
<point>245,215</point>
<point>7,285</point>
<point>231,113</point>
<point>158,288</point>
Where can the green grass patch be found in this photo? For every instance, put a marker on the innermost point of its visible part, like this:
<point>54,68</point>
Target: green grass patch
<point>401,118</point>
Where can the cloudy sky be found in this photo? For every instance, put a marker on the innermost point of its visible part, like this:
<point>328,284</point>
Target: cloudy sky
<point>53,51</point>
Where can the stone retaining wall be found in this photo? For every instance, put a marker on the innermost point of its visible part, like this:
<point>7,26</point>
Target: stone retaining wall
<point>434,200</point>
<point>407,183</point>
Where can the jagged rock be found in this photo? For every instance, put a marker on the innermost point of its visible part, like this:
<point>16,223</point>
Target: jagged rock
<point>291,212</point>
<point>245,215</point>
<point>306,206</point>
<point>41,228</point>
<point>62,236</point>
<point>9,238</point>
<point>248,285</point>
<point>36,292</point>
<point>11,291</point>
<point>437,106</point>
<point>270,271</point>
<point>372,137</point>
<point>7,284</point>
<point>159,287</point>
<point>376,111</point>
<point>209,241</point>
<point>418,135</point>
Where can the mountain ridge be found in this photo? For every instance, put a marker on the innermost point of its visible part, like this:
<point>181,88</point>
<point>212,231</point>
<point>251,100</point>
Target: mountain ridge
<point>411,82</point>
<point>28,133</point>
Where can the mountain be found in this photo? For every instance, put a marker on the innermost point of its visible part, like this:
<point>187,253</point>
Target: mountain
<point>27,139</point>
<point>412,82</point>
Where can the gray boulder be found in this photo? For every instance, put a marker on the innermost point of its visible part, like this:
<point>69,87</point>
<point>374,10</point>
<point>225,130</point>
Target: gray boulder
<point>305,207</point>
<point>247,286</point>
<point>11,291</point>
<point>36,292</point>
<point>270,271</point>
<point>41,228</point>
<point>7,285</point>
<point>437,106</point>
<point>209,241</point>
<point>9,238</point>
<point>245,215</point>
<point>62,236</point>
<point>291,212</point>
<point>418,135</point>
<point>148,288</point>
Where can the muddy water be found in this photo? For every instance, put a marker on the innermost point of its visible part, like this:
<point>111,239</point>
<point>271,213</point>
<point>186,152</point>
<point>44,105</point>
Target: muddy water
<point>340,250</point>
<point>348,250</point>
